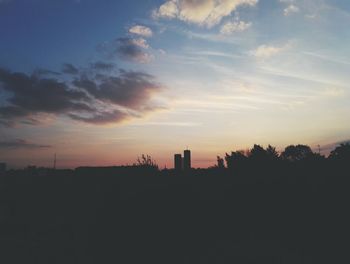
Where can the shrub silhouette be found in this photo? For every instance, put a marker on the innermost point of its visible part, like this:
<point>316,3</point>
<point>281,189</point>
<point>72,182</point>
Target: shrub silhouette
<point>146,161</point>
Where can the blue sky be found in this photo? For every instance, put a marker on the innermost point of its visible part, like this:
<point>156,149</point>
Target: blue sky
<point>101,82</point>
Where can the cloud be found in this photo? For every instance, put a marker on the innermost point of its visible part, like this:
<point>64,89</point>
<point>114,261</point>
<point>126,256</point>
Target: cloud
<point>290,9</point>
<point>141,30</point>
<point>162,52</point>
<point>41,71</point>
<point>111,97</point>
<point>267,51</point>
<point>170,124</point>
<point>196,11</point>
<point>127,48</point>
<point>140,42</point>
<point>69,69</point>
<point>327,58</point>
<point>10,114</point>
<point>234,26</point>
<point>21,144</point>
<point>28,95</point>
<point>133,50</point>
<point>103,118</point>
<point>202,12</point>
<point>130,89</point>
<point>333,91</point>
<point>167,10</point>
<point>102,66</point>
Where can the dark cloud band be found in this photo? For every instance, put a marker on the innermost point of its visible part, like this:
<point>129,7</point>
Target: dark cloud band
<point>29,96</point>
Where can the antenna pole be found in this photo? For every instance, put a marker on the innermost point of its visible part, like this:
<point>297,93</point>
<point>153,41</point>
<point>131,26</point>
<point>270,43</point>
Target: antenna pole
<point>54,162</point>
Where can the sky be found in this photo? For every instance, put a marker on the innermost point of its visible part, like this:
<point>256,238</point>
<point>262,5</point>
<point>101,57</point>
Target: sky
<point>100,82</point>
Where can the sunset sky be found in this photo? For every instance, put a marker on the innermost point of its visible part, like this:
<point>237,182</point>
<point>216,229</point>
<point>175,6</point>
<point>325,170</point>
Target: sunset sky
<point>99,82</point>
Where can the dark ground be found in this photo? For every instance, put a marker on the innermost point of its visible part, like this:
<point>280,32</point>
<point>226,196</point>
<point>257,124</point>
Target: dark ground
<point>206,217</point>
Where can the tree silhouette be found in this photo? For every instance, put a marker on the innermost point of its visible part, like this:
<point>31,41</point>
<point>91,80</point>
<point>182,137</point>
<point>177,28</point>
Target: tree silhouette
<point>220,162</point>
<point>236,158</point>
<point>297,153</point>
<point>258,153</point>
<point>271,153</point>
<point>341,153</point>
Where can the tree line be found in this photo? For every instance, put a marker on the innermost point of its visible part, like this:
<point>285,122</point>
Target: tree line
<point>295,154</point>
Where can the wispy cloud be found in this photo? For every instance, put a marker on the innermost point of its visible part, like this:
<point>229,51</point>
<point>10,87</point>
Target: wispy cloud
<point>210,104</point>
<point>209,37</point>
<point>21,144</point>
<point>234,26</point>
<point>69,69</point>
<point>290,10</point>
<point>107,117</point>
<point>266,51</point>
<point>171,124</point>
<point>298,76</point>
<point>214,53</point>
<point>326,58</point>
<point>102,66</point>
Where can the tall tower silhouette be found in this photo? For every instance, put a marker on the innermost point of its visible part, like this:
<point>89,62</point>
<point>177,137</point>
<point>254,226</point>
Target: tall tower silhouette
<point>178,162</point>
<point>187,159</point>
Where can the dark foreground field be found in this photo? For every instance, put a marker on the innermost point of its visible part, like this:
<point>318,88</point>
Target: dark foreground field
<point>211,217</point>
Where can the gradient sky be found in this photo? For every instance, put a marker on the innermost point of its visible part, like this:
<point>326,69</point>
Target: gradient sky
<point>99,82</point>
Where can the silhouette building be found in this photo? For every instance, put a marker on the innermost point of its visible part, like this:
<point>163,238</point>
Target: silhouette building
<point>2,167</point>
<point>178,162</point>
<point>182,163</point>
<point>187,160</point>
